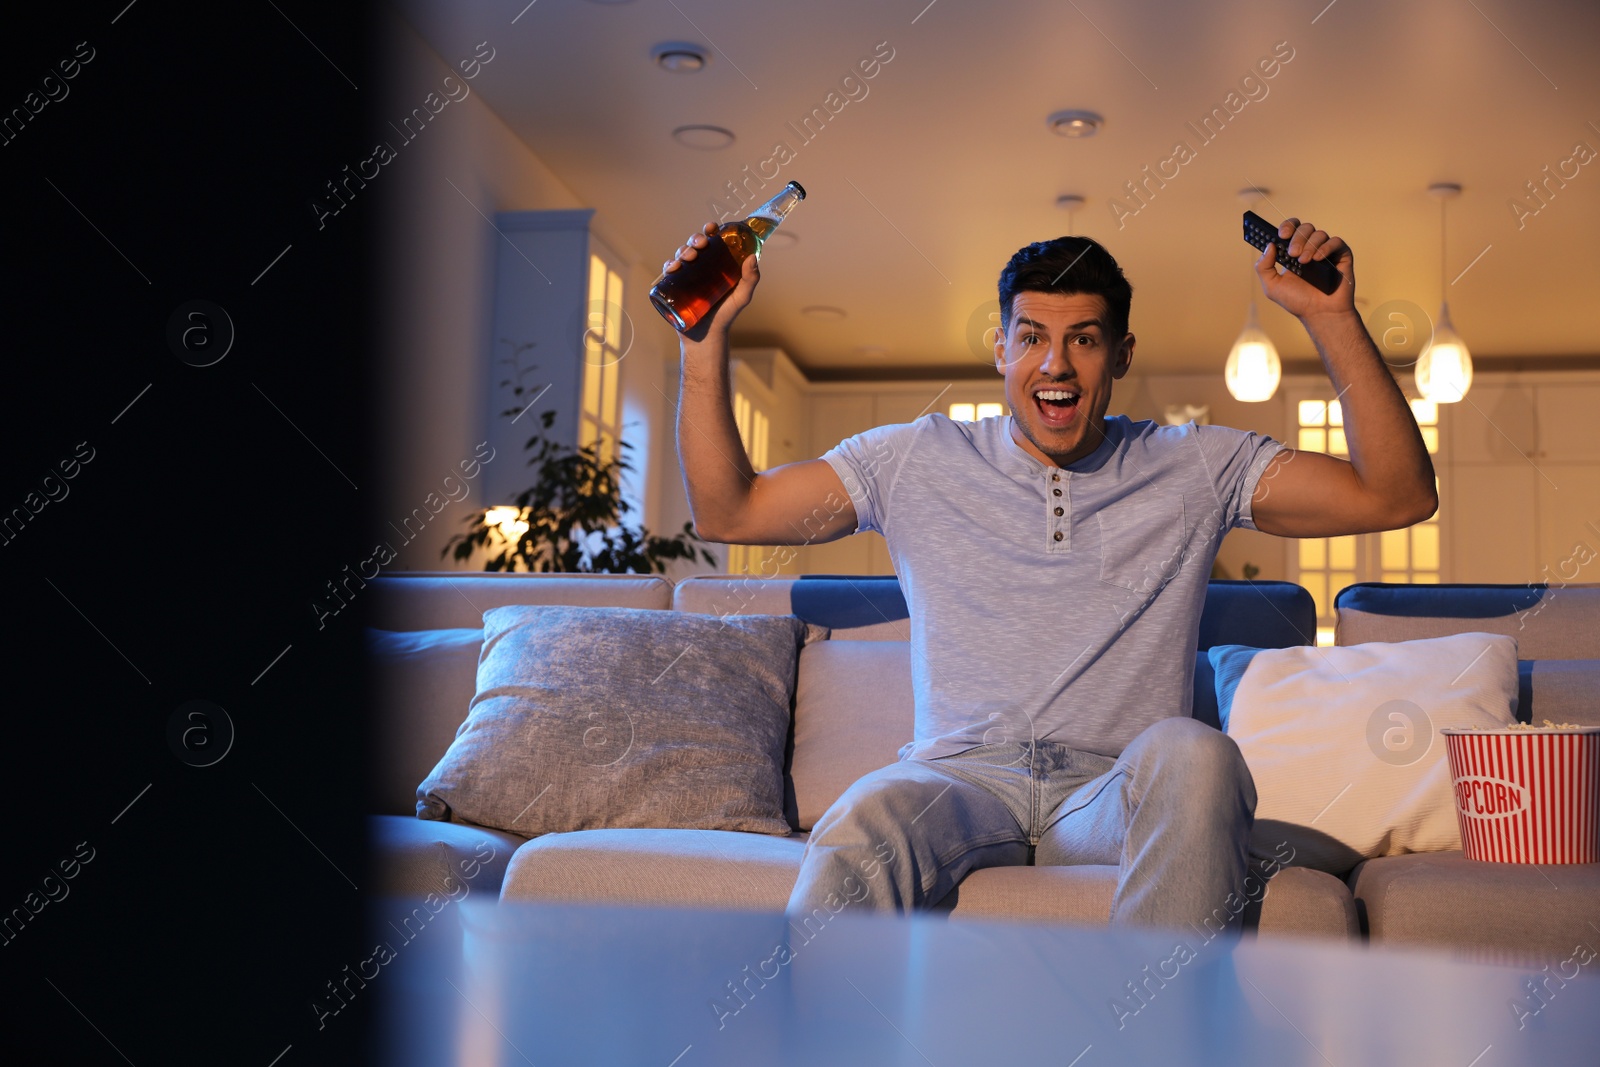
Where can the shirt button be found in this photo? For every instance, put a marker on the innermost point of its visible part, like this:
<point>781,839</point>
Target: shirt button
<point>1058,535</point>
<point>1059,511</point>
<point>1055,477</point>
<point>1057,492</point>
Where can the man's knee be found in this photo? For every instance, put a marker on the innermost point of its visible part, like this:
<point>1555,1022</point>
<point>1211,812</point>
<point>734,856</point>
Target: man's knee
<point>1186,738</point>
<point>1188,750</point>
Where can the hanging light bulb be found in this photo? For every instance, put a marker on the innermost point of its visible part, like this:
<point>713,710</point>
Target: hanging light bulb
<point>1444,370</point>
<point>1070,203</point>
<point>1253,369</point>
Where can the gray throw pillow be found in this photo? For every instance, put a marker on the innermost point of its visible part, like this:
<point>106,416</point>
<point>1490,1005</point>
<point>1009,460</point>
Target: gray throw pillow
<point>590,717</point>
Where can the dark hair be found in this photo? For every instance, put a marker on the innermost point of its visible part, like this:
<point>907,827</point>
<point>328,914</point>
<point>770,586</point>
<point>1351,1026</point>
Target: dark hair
<point>1068,265</point>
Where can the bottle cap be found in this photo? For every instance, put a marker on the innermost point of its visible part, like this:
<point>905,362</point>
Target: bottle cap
<point>797,187</point>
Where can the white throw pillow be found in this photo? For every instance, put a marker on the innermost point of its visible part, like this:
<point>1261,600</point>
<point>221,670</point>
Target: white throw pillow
<point>1344,744</point>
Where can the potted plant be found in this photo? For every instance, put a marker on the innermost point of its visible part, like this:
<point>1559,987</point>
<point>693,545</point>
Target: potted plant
<point>572,518</point>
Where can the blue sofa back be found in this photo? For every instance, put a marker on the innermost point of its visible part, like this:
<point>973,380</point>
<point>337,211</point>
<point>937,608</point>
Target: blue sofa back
<point>1262,614</point>
<point>1556,627</point>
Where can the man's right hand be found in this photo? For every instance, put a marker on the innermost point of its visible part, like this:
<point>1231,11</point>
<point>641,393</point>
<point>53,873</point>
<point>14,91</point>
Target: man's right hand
<point>720,320</point>
<point>731,502</point>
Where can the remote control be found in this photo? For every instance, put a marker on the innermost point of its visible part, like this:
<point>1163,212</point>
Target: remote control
<point>1319,272</point>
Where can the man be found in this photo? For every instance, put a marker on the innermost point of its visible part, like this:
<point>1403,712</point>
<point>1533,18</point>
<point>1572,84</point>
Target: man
<point>1055,565</point>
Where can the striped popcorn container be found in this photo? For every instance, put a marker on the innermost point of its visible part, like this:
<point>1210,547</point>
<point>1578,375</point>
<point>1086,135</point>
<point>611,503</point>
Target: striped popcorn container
<point>1527,794</point>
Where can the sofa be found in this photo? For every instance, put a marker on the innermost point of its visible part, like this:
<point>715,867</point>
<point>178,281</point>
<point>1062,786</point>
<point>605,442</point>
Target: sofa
<point>853,710</point>
<point>1506,912</point>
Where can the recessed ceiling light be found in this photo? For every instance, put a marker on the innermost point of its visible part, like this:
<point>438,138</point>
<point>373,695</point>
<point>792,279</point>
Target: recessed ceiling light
<point>1075,123</point>
<point>680,57</point>
<point>782,239</point>
<point>705,138</point>
<point>824,311</point>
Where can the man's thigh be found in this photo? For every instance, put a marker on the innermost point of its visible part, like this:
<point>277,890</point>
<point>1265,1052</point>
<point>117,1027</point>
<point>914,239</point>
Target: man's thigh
<point>937,815</point>
<point>1089,827</point>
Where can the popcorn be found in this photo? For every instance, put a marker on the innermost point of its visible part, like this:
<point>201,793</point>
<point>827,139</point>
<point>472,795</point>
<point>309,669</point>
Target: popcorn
<point>1526,793</point>
<point>1530,727</point>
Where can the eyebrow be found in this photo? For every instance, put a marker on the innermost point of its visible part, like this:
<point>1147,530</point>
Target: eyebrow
<point>1023,320</point>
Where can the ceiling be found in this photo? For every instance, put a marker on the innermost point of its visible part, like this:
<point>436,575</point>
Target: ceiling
<point>921,189</point>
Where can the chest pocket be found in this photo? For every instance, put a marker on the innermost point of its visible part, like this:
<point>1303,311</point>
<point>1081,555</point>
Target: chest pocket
<point>1142,540</point>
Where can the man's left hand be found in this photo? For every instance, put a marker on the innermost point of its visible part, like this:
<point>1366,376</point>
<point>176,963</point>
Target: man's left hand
<point>1295,295</point>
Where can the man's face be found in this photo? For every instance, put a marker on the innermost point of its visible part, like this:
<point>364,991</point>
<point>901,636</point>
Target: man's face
<point>1059,363</point>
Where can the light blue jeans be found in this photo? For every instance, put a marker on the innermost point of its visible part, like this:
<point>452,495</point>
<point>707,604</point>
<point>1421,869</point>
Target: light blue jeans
<point>1173,813</point>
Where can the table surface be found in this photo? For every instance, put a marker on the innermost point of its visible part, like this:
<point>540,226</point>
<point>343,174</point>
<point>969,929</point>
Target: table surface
<point>481,982</point>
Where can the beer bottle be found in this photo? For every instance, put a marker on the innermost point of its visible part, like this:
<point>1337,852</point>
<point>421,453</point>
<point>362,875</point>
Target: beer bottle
<point>684,296</point>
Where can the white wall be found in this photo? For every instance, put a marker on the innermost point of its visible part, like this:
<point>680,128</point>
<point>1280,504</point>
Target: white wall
<point>437,361</point>
<point>1508,515</point>
<point>437,256</point>
<point>1520,497</point>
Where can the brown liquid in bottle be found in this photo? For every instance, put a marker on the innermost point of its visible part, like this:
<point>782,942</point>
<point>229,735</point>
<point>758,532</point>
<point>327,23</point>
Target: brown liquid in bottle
<point>685,295</point>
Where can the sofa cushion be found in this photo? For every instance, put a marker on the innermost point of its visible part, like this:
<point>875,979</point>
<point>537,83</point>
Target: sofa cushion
<point>853,608</point>
<point>413,857</point>
<point>1343,742</point>
<point>1204,708</point>
<point>422,682</point>
<point>618,717</point>
<point>1079,894</point>
<point>1297,902</point>
<point>1259,614</point>
<point>852,712</point>
<point>1561,690</point>
<point>700,868</point>
<point>859,608</point>
<point>1548,622</point>
<point>1304,903</point>
<point>432,600</point>
<point>1513,913</point>
<point>713,868</point>
<point>1263,614</point>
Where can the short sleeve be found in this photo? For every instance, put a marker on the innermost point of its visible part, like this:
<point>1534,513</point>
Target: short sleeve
<point>1235,460</point>
<point>868,464</point>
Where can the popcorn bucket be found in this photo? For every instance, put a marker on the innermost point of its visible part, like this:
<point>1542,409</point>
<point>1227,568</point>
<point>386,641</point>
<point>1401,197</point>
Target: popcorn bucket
<point>1527,794</point>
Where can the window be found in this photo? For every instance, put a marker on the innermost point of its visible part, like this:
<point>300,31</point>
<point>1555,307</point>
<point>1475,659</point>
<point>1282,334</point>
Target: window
<point>1325,565</point>
<point>754,431</point>
<point>602,357</point>
<point>972,412</point>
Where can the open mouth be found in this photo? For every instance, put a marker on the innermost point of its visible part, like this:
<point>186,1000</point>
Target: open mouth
<point>1057,407</point>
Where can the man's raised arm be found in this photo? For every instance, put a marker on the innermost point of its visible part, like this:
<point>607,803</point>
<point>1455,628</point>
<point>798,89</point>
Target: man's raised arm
<point>797,503</point>
<point>1388,482</point>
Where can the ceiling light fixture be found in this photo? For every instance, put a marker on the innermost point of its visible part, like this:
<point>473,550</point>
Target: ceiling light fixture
<point>1444,370</point>
<point>1070,203</point>
<point>824,311</point>
<point>1253,369</point>
<point>1075,123</point>
<point>680,57</point>
<point>704,138</point>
